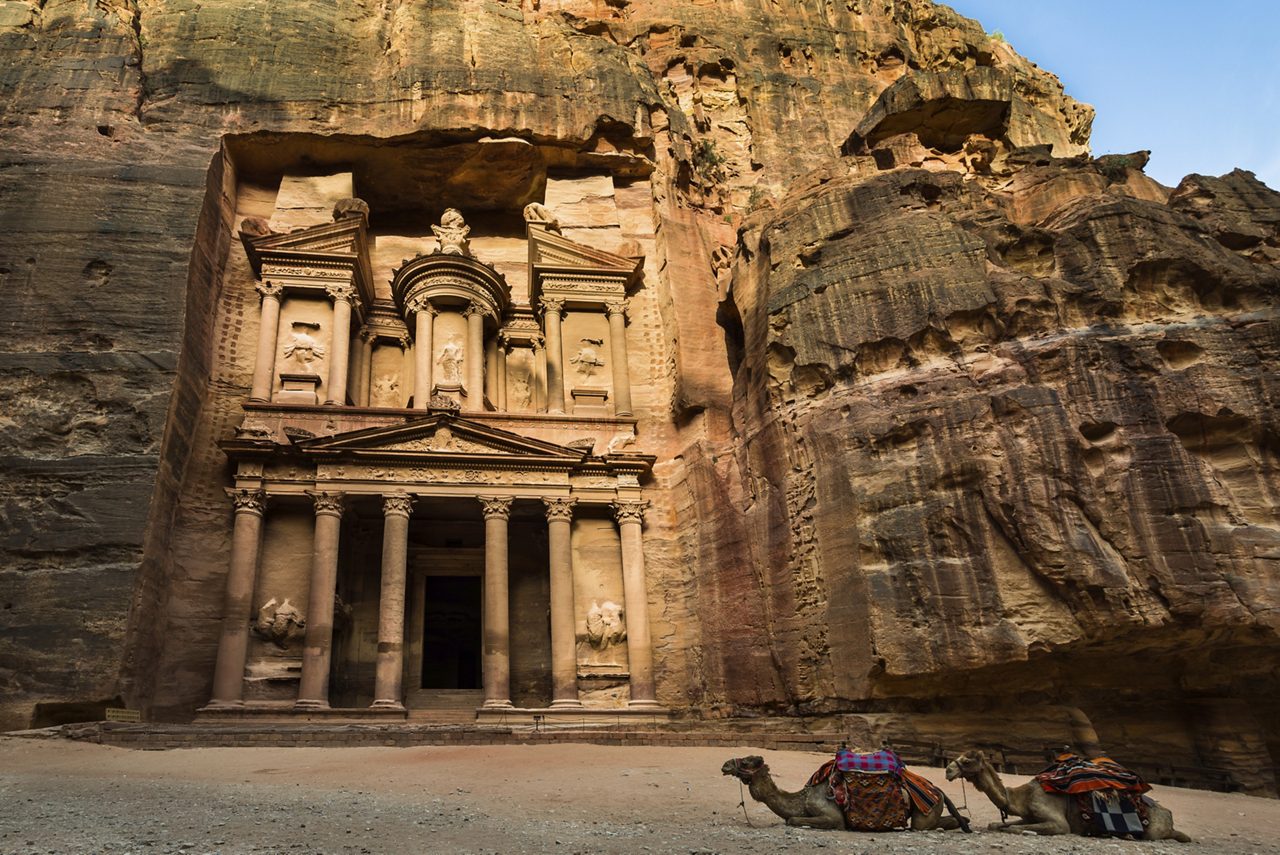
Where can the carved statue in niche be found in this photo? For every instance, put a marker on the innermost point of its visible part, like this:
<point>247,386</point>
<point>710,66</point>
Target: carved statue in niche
<point>279,623</point>
<point>450,362</point>
<point>588,358</point>
<point>604,625</point>
<point>302,348</point>
<point>452,233</point>
<point>384,390</point>
<point>521,390</point>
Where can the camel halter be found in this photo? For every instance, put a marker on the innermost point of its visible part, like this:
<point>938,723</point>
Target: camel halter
<point>742,789</point>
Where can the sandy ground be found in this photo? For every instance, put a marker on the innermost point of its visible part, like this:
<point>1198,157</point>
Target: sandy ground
<point>62,797</point>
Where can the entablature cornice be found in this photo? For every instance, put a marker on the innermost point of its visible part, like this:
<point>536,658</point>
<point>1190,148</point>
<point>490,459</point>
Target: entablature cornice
<point>314,258</point>
<point>444,279</point>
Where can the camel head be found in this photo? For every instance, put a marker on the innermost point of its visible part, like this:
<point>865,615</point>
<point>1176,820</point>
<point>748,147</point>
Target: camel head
<point>968,766</point>
<point>744,768</point>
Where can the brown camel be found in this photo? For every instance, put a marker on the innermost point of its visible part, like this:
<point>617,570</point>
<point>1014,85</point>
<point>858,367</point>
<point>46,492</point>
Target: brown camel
<point>812,808</point>
<point>1041,812</point>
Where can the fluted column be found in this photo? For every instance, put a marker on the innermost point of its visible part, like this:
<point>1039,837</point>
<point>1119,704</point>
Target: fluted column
<point>264,364</point>
<point>389,672</point>
<point>364,396</point>
<point>317,647</point>
<point>474,358</point>
<point>424,329</point>
<point>551,309</point>
<point>564,642</point>
<point>497,628</point>
<point>237,608</point>
<point>630,516</point>
<point>617,311</point>
<point>340,348</point>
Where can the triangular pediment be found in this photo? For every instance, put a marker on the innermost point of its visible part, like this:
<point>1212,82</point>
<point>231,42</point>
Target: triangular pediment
<point>340,237</point>
<point>548,249</point>
<point>439,436</point>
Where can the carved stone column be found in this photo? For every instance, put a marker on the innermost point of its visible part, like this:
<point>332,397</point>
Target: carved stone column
<point>630,516</point>
<point>424,328</point>
<point>475,358</point>
<point>364,395</point>
<point>237,608</point>
<point>617,311</point>
<point>564,642</point>
<point>497,619</point>
<point>551,310</point>
<point>396,509</point>
<point>264,364</point>
<point>317,649</point>
<point>408,369</point>
<point>501,381</point>
<point>342,294</point>
<point>491,370</point>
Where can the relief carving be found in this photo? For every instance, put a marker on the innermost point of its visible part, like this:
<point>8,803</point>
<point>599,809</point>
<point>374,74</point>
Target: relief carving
<point>588,358</point>
<point>450,362</point>
<point>452,233</point>
<point>605,626</point>
<point>521,391</point>
<point>302,349</point>
<point>279,623</point>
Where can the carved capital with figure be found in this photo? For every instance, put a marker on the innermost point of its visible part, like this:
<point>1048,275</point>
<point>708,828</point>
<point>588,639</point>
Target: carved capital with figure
<point>498,507</point>
<point>421,303</point>
<point>629,512</point>
<point>332,504</point>
<point>397,505</point>
<point>341,292</point>
<point>559,509</point>
<point>552,304</point>
<point>249,501</point>
<point>267,288</point>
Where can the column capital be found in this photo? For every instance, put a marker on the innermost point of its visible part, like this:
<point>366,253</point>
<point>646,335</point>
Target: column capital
<point>341,292</point>
<point>406,341</point>
<point>332,504</point>
<point>421,303</point>
<point>552,304</point>
<point>629,511</point>
<point>397,505</point>
<point>559,509</point>
<point>267,288</point>
<point>475,309</point>
<point>367,335</point>
<point>498,507</point>
<point>617,307</point>
<point>248,501</point>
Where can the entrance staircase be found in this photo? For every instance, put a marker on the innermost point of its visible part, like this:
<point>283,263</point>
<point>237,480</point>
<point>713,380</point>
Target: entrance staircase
<point>444,706</point>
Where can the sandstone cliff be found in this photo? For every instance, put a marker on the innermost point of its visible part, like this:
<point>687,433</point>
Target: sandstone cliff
<point>955,418</point>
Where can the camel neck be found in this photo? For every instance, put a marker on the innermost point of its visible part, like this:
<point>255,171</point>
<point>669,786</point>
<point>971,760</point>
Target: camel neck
<point>989,782</point>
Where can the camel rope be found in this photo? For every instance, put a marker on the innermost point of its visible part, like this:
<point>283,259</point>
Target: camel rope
<point>742,792</point>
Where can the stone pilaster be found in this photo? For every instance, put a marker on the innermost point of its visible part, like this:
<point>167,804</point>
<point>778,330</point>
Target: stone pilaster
<point>501,381</point>
<point>564,643</point>
<point>475,358</point>
<point>317,650</point>
<point>424,330</point>
<point>617,311</point>
<point>342,294</point>
<point>264,364</point>
<point>630,516</point>
<point>387,691</point>
<point>551,312</point>
<point>497,625</point>
<point>364,394</point>
<point>237,608</point>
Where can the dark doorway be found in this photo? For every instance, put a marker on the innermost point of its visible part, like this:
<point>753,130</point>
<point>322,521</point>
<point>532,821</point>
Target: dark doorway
<point>451,633</point>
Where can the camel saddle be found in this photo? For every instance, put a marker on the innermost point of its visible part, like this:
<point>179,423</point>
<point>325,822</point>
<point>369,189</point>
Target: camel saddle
<point>875,790</point>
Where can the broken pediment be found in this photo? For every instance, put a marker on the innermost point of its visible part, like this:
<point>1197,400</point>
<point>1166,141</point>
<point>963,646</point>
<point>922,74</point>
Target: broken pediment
<point>572,274</point>
<point>311,255</point>
<point>550,250</point>
<point>442,435</point>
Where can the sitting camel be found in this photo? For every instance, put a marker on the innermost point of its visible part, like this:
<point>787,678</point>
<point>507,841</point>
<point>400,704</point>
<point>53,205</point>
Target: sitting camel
<point>1039,811</point>
<point>811,806</point>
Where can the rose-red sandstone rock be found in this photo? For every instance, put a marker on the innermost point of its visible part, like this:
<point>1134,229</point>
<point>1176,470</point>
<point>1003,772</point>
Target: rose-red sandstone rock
<point>960,421</point>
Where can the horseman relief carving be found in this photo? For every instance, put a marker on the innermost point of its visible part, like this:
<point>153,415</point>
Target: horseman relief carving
<point>279,623</point>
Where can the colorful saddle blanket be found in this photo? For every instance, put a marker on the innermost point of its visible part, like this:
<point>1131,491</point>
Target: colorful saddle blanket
<point>881,761</point>
<point>875,800</point>
<point>1071,774</point>
<point>1113,813</point>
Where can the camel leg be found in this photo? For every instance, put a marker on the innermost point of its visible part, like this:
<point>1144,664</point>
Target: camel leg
<point>1048,827</point>
<point>827,822</point>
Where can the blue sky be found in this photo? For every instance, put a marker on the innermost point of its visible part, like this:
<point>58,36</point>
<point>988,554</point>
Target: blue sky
<point>1196,83</point>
